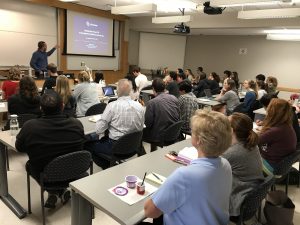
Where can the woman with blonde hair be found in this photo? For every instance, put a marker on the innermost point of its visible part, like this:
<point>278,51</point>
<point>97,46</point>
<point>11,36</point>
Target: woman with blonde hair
<point>245,160</point>
<point>63,89</point>
<point>277,138</point>
<point>11,85</point>
<point>85,94</point>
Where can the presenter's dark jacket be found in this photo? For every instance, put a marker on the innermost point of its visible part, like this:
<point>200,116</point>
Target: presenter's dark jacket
<point>48,137</point>
<point>39,60</point>
<point>18,104</point>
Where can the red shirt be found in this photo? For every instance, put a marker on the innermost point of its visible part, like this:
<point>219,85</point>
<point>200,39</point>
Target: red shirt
<point>10,88</point>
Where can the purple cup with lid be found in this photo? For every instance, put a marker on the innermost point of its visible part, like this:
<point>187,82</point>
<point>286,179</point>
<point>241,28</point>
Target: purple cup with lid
<point>131,181</point>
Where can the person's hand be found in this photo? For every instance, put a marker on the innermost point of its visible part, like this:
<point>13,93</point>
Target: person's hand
<point>259,122</point>
<point>57,46</point>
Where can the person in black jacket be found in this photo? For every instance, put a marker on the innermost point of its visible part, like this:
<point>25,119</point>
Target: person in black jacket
<point>27,101</point>
<point>50,81</point>
<point>202,85</point>
<point>48,137</point>
<point>172,86</point>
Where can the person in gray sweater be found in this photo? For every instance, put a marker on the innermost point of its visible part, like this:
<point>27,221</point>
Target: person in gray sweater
<point>85,93</point>
<point>245,160</point>
<point>229,96</point>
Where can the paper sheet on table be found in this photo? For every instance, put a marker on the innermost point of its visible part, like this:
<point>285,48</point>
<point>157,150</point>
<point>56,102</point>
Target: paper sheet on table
<point>2,104</point>
<point>204,100</point>
<point>95,118</point>
<point>188,153</point>
<point>152,178</point>
<point>132,196</point>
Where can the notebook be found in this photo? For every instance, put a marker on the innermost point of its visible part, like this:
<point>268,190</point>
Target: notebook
<point>108,91</point>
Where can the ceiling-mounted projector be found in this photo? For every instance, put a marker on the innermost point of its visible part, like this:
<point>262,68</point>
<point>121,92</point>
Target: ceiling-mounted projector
<point>212,10</point>
<point>182,29</point>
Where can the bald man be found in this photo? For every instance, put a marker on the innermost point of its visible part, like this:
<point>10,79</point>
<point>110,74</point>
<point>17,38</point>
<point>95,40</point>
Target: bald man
<point>120,117</point>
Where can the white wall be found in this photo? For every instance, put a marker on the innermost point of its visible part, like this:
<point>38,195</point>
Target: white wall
<point>22,25</point>
<point>218,53</point>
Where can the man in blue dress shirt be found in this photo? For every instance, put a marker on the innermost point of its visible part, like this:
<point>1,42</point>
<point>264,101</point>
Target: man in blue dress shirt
<point>39,59</point>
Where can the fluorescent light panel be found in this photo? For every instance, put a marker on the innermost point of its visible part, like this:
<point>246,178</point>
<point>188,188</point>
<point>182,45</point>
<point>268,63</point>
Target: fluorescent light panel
<point>269,13</point>
<point>133,9</point>
<point>234,3</point>
<point>172,19</point>
<point>283,31</point>
<point>284,37</point>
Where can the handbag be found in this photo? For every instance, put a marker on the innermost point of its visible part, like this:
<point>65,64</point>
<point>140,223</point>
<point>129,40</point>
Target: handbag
<point>279,209</point>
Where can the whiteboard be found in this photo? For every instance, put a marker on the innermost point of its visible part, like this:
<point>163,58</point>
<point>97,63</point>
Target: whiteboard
<point>161,50</point>
<point>21,30</point>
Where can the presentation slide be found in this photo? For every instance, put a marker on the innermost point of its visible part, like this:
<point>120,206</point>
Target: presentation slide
<point>89,35</point>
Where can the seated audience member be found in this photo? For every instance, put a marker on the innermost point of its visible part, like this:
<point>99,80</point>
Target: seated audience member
<point>250,97</point>
<point>187,104</point>
<point>135,95</point>
<point>48,137</point>
<point>198,193</point>
<point>201,86</point>
<point>141,80</point>
<point>27,101</point>
<point>200,71</point>
<point>99,82</point>
<point>229,96</point>
<point>245,160</point>
<point>120,117</point>
<point>161,112</point>
<point>179,71</point>
<point>271,85</point>
<point>11,85</point>
<point>227,74</point>
<point>235,76</point>
<point>260,89</point>
<point>189,74</point>
<point>265,101</point>
<point>50,81</point>
<point>172,85</point>
<point>64,90</point>
<point>277,138</point>
<point>181,77</point>
<point>260,77</point>
<point>85,94</point>
<point>214,83</point>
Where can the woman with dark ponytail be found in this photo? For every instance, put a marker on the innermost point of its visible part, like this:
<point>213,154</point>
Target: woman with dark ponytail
<point>245,160</point>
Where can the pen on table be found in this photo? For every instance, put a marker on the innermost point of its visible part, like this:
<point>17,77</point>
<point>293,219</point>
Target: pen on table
<point>157,177</point>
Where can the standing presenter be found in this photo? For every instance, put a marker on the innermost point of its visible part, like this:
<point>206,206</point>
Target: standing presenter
<point>39,59</point>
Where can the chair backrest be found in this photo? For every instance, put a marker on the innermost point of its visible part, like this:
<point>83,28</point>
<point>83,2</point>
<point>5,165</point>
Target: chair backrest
<point>96,109</point>
<point>253,199</point>
<point>127,145</point>
<point>285,165</point>
<point>67,167</point>
<point>171,134</point>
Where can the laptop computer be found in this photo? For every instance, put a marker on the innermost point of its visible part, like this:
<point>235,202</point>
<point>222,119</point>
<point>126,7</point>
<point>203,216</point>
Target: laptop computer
<point>208,94</point>
<point>108,91</point>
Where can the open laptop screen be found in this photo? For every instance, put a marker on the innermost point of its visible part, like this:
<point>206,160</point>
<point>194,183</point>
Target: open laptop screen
<point>108,91</point>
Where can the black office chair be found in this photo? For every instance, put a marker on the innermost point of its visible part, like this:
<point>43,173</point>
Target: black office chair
<point>59,173</point>
<point>252,201</point>
<point>170,136</point>
<point>96,109</point>
<point>283,168</point>
<point>124,148</point>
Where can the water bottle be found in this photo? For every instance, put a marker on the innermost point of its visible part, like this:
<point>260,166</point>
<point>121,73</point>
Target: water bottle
<point>14,125</point>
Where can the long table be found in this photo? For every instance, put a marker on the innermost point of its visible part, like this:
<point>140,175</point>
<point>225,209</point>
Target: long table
<point>6,140</point>
<point>93,190</point>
